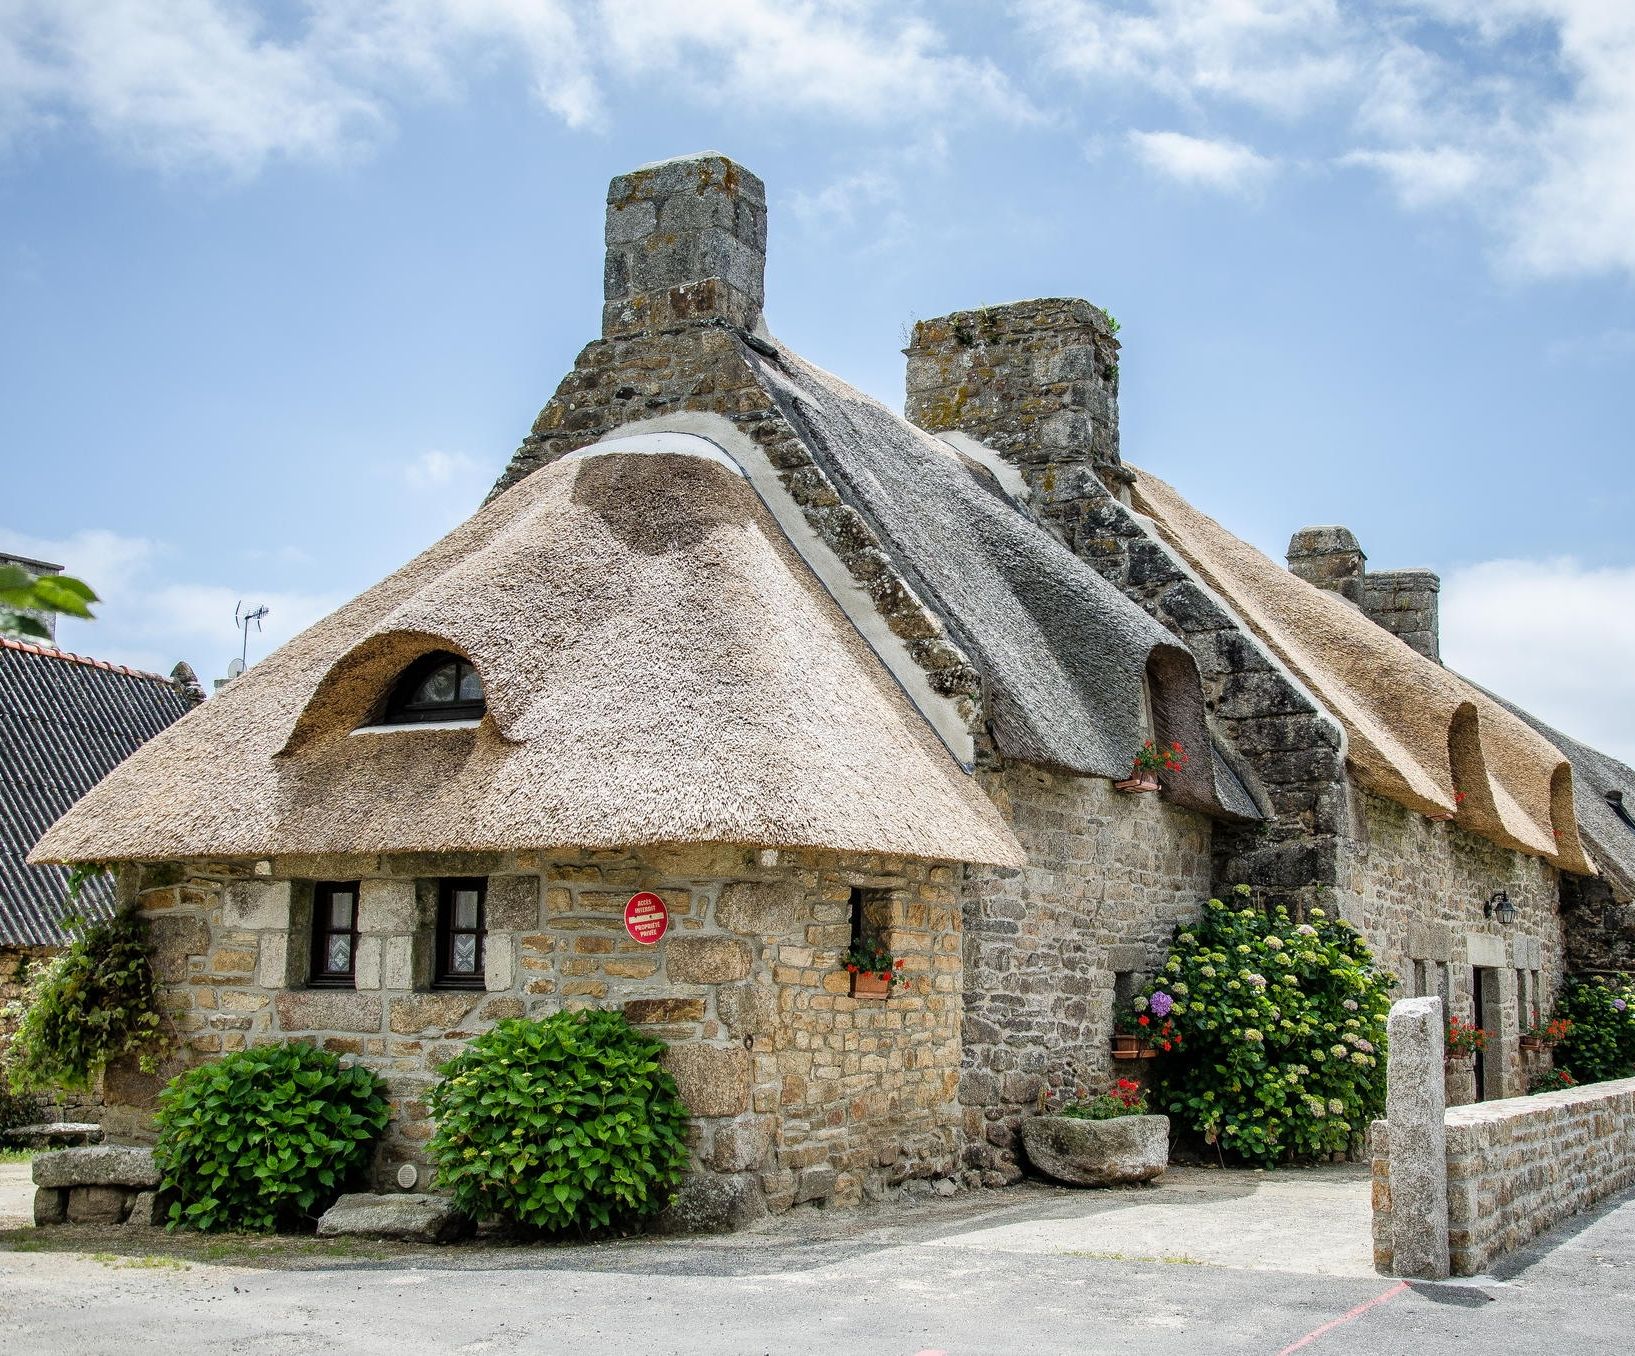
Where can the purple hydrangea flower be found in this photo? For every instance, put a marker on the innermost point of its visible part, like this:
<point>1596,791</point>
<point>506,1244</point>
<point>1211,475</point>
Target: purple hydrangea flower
<point>1619,1004</point>
<point>1161,1004</point>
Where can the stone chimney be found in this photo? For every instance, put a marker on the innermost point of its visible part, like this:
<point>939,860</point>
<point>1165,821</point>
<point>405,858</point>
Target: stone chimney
<point>1037,381</point>
<point>1404,602</point>
<point>686,241</point>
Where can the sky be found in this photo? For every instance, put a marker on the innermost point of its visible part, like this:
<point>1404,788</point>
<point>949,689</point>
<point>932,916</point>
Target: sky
<point>282,286</point>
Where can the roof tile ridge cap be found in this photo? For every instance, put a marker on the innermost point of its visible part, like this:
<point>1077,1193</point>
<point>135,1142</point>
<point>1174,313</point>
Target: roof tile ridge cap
<point>70,657</point>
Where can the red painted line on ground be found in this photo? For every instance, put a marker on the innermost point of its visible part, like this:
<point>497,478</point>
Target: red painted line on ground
<point>1350,1316</point>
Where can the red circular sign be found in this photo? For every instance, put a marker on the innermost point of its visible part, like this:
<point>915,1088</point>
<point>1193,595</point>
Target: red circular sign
<point>645,918</point>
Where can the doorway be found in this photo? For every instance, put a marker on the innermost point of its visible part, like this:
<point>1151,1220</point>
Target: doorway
<point>1484,995</point>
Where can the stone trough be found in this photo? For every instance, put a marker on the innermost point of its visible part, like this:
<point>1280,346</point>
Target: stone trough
<point>96,1184</point>
<point>1122,1151</point>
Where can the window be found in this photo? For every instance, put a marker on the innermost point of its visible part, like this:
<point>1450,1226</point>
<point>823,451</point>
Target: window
<point>437,686</point>
<point>334,934</point>
<point>459,963</point>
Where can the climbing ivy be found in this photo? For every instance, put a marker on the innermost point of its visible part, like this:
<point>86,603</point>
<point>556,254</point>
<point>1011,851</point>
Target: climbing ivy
<point>96,1002</point>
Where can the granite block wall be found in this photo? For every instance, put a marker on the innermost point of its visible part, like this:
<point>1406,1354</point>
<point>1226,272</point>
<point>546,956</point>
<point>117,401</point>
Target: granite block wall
<point>1416,887</point>
<point>1108,878</point>
<point>1517,1168</point>
<point>799,1091</point>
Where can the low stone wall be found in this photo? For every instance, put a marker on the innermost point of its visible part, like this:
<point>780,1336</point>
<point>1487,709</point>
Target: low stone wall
<point>1456,1196</point>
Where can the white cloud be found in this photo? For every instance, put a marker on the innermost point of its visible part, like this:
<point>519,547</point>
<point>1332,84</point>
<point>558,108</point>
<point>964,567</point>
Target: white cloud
<point>1557,637</point>
<point>1521,111</point>
<point>1283,56</point>
<point>1225,165</point>
<point>149,621</point>
<point>858,60</point>
<point>433,470</point>
<point>1423,176</point>
<point>214,83</point>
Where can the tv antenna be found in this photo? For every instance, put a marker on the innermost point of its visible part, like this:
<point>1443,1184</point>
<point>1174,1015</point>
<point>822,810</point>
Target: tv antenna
<point>242,620</point>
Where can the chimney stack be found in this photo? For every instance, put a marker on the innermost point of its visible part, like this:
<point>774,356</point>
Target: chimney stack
<point>1404,602</point>
<point>1037,381</point>
<point>686,241</point>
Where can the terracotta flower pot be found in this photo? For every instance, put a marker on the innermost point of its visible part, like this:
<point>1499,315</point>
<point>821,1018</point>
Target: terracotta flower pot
<point>870,985</point>
<point>1137,783</point>
<point>1126,1046</point>
<point>1533,1043</point>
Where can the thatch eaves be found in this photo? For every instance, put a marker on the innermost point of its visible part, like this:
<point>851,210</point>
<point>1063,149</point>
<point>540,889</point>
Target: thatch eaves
<point>1416,733</point>
<point>1604,794</point>
<point>660,667</point>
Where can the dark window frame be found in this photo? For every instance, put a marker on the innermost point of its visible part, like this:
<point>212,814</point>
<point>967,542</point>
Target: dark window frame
<point>444,976</point>
<point>402,709</point>
<point>319,975</point>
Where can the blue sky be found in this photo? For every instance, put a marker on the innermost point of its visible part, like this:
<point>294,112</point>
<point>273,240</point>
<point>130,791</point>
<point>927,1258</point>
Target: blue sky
<point>282,287</point>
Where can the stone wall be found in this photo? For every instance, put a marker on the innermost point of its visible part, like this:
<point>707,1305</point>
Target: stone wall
<point>1517,1168</point>
<point>1107,879</point>
<point>799,1091</point>
<point>18,964</point>
<point>1416,887</point>
<point>1599,928</point>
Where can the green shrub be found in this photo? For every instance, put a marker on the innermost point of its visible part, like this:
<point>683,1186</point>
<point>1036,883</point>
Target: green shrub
<point>96,1002</point>
<point>1281,1026</point>
<point>16,1108</point>
<point>565,1123</point>
<point>262,1138</point>
<point>1600,1044</point>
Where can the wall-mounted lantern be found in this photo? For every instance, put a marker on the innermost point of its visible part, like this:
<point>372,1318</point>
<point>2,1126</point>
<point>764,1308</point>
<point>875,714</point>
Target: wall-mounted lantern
<point>1499,906</point>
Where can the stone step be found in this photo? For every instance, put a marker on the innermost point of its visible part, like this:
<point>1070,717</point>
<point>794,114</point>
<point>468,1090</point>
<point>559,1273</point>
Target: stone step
<point>55,1134</point>
<point>413,1217</point>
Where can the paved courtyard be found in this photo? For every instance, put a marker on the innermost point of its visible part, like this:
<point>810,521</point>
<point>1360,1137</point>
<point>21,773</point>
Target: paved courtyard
<point>1209,1262</point>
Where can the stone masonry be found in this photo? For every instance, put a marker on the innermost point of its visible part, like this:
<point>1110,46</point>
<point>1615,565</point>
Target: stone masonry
<point>799,1091</point>
<point>1415,887</point>
<point>1511,1170</point>
<point>1047,948</point>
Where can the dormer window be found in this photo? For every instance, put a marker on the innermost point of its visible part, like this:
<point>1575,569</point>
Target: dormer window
<point>437,687</point>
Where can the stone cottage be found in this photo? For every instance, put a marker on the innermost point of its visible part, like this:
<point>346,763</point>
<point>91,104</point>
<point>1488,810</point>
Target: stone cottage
<point>730,632</point>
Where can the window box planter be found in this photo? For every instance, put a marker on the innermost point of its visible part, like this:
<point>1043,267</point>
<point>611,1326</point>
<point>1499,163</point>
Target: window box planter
<point>1132,1047</point>
<point>1116,1152</point>
<point>1141,782</point>
<point>870,986</point>
<point>1534,1044</point>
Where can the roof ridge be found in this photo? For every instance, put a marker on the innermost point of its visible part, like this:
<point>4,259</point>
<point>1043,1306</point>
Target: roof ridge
<point>68,656</point>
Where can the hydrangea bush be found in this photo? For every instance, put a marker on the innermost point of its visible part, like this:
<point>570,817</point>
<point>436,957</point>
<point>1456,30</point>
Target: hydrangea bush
<point>1599,1043</point>
<point>570,1122</point>
<point>1281,1025</point>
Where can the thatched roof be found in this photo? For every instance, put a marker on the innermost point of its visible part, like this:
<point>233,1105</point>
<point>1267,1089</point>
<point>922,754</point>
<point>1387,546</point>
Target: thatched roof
<point>1062,652</point>
<point>1604,793</point>
<point>660,667</point>
<point>1415,731</point>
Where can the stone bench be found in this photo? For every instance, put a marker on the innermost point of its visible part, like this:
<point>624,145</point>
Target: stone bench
<point>55,1134</point>
<point>95,1184</point>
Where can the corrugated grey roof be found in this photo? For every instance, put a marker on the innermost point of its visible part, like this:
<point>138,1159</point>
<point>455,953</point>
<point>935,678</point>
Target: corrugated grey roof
<point>1609,837</point>
<point>65,723</point>
<point>1062,651</point>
